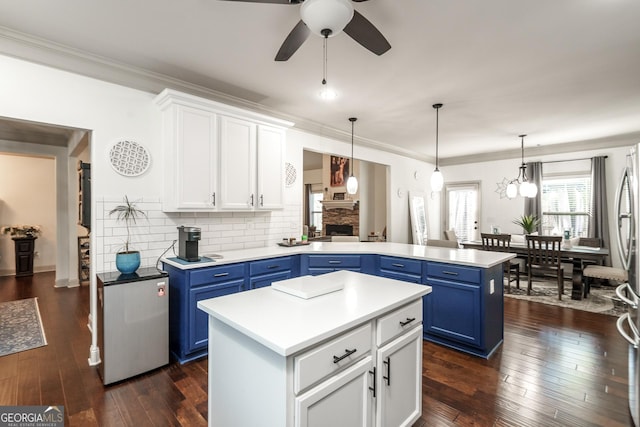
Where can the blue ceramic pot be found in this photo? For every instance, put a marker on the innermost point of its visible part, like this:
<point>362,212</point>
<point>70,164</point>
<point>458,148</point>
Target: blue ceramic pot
<point>127,262</point>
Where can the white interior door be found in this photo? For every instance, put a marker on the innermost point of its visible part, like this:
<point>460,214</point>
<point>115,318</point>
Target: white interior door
<point>462,210</point>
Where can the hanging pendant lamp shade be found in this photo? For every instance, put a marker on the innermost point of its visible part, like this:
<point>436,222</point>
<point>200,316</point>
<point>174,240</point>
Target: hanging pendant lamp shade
<point>437,180</point>
<point>521,184</point>
<point>352,182</point>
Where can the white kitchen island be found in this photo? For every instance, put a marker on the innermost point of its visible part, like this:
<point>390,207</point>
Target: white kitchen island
<point>352,357</point>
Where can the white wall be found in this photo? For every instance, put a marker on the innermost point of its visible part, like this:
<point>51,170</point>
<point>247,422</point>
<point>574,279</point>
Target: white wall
<point>501,211</point>
<point>28,196</point>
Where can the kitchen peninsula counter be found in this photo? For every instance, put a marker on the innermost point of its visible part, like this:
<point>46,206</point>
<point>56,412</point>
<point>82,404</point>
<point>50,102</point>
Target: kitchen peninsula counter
<point>468,257</point>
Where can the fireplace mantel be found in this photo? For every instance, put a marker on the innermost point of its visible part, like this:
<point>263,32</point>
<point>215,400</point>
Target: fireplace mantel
<point>339,204</point>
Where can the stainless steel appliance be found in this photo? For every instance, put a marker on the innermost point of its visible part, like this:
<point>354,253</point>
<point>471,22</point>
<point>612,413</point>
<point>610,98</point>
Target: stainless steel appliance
<point>133,323</point>
<point>188,238</point>
<point>627,209</point>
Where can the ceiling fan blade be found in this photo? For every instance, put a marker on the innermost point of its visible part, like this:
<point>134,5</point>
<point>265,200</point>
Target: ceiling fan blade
<point>365,33</point>
<point>294,40</point>
<point>270,1</point>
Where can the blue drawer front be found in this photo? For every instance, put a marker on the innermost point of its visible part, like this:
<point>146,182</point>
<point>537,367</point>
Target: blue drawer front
<point>401,265</point>
<point>334,261</point>
<point>224,273</point>
<point>272,265</point>
<point>453,272</point>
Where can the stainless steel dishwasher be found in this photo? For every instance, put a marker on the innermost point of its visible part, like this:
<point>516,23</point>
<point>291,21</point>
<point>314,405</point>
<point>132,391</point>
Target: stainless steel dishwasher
<point>133,323</point>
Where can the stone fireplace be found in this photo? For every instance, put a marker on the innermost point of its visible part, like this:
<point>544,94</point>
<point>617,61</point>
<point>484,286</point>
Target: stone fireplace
<point>341,222</point>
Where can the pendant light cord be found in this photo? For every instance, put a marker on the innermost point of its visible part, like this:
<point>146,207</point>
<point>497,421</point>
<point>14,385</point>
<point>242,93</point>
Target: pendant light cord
<point>352,166</point>
<point>324,62</point>
<point>437,131</point>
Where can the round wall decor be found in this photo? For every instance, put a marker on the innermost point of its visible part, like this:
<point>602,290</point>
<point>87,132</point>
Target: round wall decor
<point>290,174</point>
<point>129,158</point>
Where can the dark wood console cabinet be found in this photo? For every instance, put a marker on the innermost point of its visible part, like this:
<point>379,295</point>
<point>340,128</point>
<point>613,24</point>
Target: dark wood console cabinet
<point>24,247</point>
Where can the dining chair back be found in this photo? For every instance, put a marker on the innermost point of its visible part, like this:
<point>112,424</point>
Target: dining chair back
<point>450,235</point>
<point>543,255</point>
<point>442,243</point>
<point>502,243</point>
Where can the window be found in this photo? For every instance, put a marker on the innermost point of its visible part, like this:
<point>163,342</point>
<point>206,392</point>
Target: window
<point>315,204</point>
<point>566,204</point>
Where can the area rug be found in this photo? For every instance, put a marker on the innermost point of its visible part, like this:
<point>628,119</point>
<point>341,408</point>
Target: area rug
<point>601,299</point>
<point>20,326</point>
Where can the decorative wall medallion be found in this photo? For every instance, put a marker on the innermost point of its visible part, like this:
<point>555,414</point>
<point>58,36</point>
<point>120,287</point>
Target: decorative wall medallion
<point>129,158</point>
<point>502,188</point>
<point>290,174</point>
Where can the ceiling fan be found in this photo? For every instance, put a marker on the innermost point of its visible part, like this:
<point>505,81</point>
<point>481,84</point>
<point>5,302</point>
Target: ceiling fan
<point>327,18</point>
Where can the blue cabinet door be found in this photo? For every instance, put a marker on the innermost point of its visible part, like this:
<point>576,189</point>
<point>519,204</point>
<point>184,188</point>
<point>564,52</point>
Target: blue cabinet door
<point>453,310</point>
<point>267,279</point>
<point>198,320</point>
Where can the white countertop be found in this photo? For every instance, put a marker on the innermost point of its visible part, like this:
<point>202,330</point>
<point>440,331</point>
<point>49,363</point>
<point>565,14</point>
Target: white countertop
<point>287,324</point>
<point>470,257</point>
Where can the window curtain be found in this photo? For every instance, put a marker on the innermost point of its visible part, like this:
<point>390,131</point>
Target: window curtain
<point>307,209</point>
<point>599,223</point>
<point>533,205</point>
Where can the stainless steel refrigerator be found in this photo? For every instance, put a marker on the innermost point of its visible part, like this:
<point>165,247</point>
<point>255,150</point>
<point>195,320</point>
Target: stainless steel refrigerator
<point>133,323</point>
<point>627,210</point>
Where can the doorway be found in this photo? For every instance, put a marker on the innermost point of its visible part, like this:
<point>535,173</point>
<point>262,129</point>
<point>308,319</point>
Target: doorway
<point>462,209</point>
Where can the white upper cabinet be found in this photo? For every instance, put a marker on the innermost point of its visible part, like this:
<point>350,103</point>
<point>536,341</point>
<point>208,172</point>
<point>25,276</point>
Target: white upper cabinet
<point>238,170</point>
<point>219,157</point>
<point>270,167</point>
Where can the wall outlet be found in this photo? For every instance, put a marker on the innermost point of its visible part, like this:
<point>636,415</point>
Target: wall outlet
<point>492,286</point>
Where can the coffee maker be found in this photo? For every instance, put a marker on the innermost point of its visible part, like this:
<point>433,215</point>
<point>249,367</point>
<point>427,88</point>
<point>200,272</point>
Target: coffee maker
<point>188,243</point>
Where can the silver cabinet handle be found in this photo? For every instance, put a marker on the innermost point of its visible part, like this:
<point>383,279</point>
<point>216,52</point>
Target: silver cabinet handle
<point>331,261</point>
<point>450,273</point>
<point>220,274</point>
<point>398,265</point>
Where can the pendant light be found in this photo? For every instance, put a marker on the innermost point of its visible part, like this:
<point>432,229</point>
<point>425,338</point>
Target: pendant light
<point>437,180</point>
<point>527,189</point>
<point>352,182</point>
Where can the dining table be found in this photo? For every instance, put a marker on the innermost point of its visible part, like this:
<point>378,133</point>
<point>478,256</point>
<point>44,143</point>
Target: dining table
<point>574,254</point>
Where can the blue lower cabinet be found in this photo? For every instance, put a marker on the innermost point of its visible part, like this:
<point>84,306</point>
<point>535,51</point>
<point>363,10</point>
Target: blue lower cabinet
<point>198,320</point>
<point>320,264</point>
<point>264,272</point>
<point>465,309</point>
<point>268,279</point>
<point>407,270</point>
<point>188,325</point>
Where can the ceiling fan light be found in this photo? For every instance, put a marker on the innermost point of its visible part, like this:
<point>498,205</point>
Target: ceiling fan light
<point>437,180</point>
<point>327,93</point>
<point>352,185</point>
<point>321,15</point>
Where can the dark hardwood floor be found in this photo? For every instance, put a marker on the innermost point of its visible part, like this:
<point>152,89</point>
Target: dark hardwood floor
<point>557,367</point>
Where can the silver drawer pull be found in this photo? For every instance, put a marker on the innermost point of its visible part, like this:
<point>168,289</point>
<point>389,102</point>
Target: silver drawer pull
<point>450,273</point>
<point>347,353</point>
<point>271,267</point>
<point>331,261</point>
<point>398,265</point>
<point>220,274</point>
<point>406,322</point>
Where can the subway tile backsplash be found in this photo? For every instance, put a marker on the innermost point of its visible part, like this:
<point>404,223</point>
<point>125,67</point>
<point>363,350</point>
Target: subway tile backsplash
<point>221,231</point>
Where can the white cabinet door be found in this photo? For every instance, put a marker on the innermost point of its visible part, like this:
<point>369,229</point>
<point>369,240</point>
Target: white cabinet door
<point>237,164</point>
<point>194,165</point>
<point>399,372</point>
<point>270,167</point>
<point>344,400</point>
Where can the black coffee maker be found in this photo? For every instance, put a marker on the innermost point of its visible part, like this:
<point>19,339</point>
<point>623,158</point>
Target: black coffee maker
<point>188,243</point>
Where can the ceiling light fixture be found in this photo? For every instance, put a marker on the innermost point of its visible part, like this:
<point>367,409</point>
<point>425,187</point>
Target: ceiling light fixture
<point>352,182</point>
<point>527,189</point>
<point>437,180</point>
<point>323,15</point>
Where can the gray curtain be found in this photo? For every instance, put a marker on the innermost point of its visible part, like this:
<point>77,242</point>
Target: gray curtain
<point>599,222</point>
<point>306,214</point>
<point>533,205</point>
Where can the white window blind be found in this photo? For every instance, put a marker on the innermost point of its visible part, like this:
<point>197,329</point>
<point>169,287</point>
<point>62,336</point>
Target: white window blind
<point>566,205</point>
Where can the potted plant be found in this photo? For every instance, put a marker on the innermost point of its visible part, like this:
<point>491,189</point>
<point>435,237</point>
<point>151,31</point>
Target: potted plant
<point>529,223</point>
<point>127,260</point>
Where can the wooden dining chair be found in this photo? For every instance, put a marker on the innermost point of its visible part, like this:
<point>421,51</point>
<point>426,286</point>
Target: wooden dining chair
<point>502,243</point>
<point>543,256</point>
